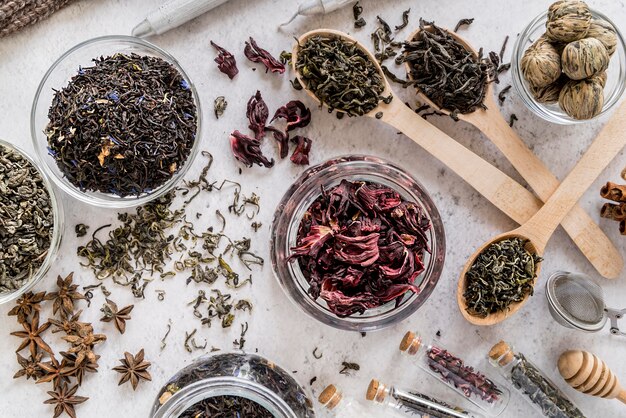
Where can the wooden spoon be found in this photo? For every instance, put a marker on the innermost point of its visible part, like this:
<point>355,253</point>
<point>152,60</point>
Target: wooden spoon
<point>541,226</point>
<point>596,380</point>
<point>599,249</point>
<point>501,190</point>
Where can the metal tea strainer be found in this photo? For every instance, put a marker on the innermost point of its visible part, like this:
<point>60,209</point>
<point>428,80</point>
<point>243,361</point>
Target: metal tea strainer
<point>575,301</point>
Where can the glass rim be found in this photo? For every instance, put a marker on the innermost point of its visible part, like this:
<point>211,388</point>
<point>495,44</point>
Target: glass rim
<point>520,85</point>
<point>313,308</point>
<point>57,229</point>
<point>110,200</point>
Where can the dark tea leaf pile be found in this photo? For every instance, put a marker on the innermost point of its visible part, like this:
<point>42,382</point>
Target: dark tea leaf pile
<point>502,274</point>
<point>361,245</point>
<point>340,75</point>
<point>123,126</point>
<point>26,220</point>
<point>446,72</point>
<point>226,407</point>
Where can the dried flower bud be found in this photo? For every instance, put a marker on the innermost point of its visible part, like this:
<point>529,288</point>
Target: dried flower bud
<point>568,20</point>
<point>582,99</point>
<point>584,58</point>
<point>550,93</point>
<point>541,63</point>
<point>604,32</point>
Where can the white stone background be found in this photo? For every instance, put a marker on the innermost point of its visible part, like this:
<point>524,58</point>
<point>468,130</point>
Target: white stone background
<point>278,329</point>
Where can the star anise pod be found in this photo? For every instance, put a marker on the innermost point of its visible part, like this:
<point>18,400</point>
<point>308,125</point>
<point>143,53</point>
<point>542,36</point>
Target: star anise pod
<point>65,295</point>
<point>64,400</point>
<point>78,370</point>
<point>53,372</point>
<point>30,367</point>
<point>32,336</point>
<point>133,368</point>
<point>27,304</point>
<point>67,325</point>
<point>83,342</point>
<point>111,313</point>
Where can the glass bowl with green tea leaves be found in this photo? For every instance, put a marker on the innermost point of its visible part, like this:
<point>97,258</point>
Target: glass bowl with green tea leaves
<point>116,122</point>
<point>537,60</point>
<point>357,243</point>
<point>31,223</point>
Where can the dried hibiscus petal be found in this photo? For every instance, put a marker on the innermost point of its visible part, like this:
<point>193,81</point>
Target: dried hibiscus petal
<point>257,54</point>
<point>360,250</point>
<point>378,199</point>
<point>225,61</point>
<point>257,113</point>
<point>300,155</point>
<point>343,305</point>
<point>282,138</point>
<point>248,150</point>
<point>295,113</point>
<point>312,243</point>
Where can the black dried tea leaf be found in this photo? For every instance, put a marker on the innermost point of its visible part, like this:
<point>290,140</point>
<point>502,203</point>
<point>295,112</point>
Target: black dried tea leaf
<point>226,406</point>
<point>446,72</point>
<point>225,61</point>
<point>405,20</point>
<point>123,126</point>
<point>257,54</point>
<point>347,367</point>
<point>219,106</point>
<point>357,10</point>
<point>340,75</point>
<point>463,22</point>
<point>81,230</point>
<point>26,220</point>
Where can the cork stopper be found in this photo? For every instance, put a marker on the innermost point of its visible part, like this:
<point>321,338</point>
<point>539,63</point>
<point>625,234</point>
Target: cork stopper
<point>330,397</point>
<point>376,391</point>
<point>411,343</point>
<point>502,353</point>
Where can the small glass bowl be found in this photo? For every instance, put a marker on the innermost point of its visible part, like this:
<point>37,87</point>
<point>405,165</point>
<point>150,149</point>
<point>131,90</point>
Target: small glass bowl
<point>616,73</point>
<point>303,193</point>
<point>59,75</point>
<point>57,231</point>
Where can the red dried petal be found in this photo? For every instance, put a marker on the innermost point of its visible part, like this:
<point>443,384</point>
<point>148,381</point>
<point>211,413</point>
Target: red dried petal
<point>300,155</point>
<point>248,150</point>
<point>378,199</point>
<point>257,54</point>
<point>257,113</point>
<point>343,305</point>
<point>295,113</point>
<point>312,243</point>
<point>362,251</point>
<point>225,61</point>
<point>282,138</point>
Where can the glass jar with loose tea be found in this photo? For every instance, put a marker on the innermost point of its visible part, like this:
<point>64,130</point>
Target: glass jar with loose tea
<point>357,243</point>
<point>532,383</point>
<point>451,370</point>
<point>232,384</point>
<point>31,223</point>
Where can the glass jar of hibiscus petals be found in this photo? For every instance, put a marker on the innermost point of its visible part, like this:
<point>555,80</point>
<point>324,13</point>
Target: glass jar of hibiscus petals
<point>357,243</point>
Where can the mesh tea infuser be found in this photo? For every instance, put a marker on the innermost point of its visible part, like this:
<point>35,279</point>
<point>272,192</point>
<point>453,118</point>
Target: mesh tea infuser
<point>575,301</point>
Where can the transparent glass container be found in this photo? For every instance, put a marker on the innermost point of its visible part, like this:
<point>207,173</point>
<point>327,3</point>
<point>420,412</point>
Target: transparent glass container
<point>233,374</point>
<point>296,202</point>
<point>490,396</point>
<point>411,403</point>
<point>57,230</point>
<point>545,397</point>
<point>336,405</point>
<point>616,73</point>
<point>60,74</point>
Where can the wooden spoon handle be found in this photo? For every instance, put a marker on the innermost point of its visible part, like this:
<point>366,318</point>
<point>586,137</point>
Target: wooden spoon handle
<point>622,396</point>
<point>587,235</point>
<point>604,148</point>
<point>501,190</point>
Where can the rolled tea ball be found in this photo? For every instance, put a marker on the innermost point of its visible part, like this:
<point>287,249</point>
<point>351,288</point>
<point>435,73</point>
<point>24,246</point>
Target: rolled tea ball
<point>568,20</point>
<point>584,58</point>
<point>600,78</point>
<point>582,99</point>
<point>550,93</point>
<point>541,63</point>
<point>604,32</point>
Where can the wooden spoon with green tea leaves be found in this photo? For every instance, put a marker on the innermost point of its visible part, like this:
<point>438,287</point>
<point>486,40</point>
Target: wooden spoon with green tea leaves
<point>536,232</point>
<point>598,248</point>
<point>356,98</point>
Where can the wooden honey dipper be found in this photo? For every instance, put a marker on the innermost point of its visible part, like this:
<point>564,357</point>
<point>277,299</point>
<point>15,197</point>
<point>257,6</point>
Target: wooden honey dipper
<point>588,374</point>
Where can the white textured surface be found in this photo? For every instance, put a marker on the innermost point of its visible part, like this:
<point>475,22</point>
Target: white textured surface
<point>278,329</point>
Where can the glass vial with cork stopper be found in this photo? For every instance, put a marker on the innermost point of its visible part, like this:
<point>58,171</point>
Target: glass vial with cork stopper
<point>532,383</point>
<point>412,403</point>
<point>336,405</point>
<point>472,384</point>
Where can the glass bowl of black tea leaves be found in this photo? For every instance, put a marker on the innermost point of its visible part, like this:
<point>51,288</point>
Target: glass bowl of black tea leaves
<point>546,101</point>
<point>232,385</point>
<point>116,122</point>
<point>31,223</point>
<point>357,243</point>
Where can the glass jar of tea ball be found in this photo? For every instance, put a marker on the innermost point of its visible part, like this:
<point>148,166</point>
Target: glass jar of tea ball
<point>233,383</point>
